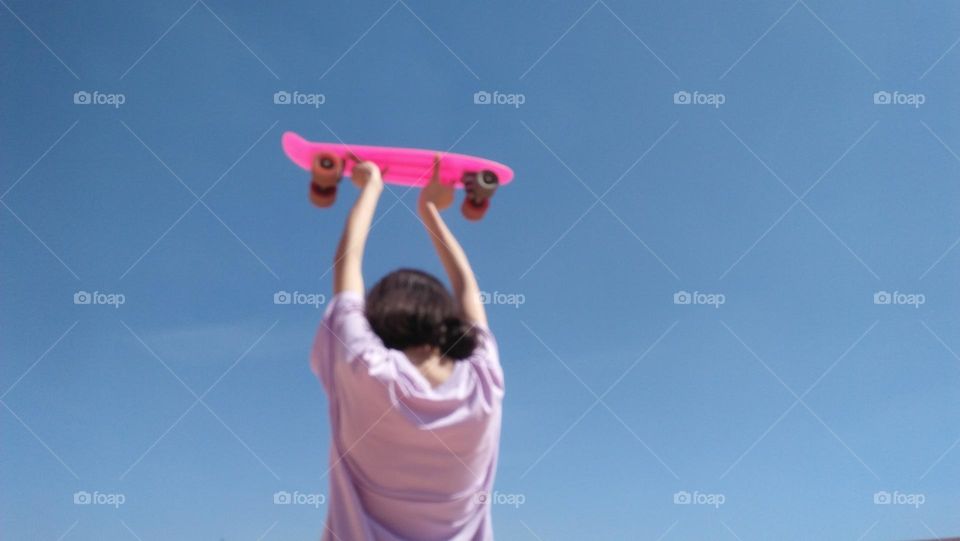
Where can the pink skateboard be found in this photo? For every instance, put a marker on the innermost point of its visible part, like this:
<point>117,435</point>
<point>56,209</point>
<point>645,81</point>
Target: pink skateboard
<point>329,162</point>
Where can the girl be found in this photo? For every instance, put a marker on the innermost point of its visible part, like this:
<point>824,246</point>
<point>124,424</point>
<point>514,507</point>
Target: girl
<point>413,379</point>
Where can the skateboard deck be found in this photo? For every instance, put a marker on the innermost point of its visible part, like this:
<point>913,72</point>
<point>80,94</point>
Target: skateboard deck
<point>329,162</point>
<point>405,166</point>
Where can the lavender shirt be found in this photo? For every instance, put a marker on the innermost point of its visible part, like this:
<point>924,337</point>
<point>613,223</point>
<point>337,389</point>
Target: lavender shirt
<point>407,461</point>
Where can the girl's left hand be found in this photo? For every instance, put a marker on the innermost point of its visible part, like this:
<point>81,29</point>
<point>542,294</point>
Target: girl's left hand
<point>441,195</point>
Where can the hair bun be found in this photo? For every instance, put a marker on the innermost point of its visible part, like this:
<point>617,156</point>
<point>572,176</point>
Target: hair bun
<point>458,338</point>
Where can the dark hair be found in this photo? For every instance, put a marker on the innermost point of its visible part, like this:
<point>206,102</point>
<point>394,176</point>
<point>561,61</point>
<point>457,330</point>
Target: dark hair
<point>409,308</point>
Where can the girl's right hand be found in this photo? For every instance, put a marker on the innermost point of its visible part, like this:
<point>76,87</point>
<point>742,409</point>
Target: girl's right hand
<point>436,192</point>
<point>365,173</point>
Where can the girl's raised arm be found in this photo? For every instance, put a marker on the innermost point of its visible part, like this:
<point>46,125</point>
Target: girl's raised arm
<point>348,262</point>
<point>434,198</point>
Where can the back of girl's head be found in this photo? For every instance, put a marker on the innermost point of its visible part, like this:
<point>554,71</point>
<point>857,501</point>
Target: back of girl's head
<point>408,308</point>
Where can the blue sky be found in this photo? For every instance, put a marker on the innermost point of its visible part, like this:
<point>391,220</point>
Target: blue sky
<point>789,405</point>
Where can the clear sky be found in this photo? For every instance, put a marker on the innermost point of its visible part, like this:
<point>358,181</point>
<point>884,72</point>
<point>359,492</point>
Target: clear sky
<point>784,399</point>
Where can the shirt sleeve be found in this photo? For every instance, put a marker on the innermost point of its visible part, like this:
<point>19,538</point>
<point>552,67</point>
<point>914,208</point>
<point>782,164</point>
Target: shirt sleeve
<point>345,336</point>
<point>486,360</point>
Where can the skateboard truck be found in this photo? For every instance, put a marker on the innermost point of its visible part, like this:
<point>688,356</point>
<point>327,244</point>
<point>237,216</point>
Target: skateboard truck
<point>327,170</point>
<point>479,187</point>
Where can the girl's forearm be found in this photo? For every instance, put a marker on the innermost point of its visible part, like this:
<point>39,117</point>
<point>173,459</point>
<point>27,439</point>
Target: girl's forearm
<point>455,262</point>
<point>347,273</point>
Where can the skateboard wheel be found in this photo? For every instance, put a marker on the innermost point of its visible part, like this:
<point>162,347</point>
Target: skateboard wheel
<point>327,165</point>
<point>474,210</point>
<point>488,180</point>
<point>480,185</point>
<point>322,197</point>
<point>327,170</point>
